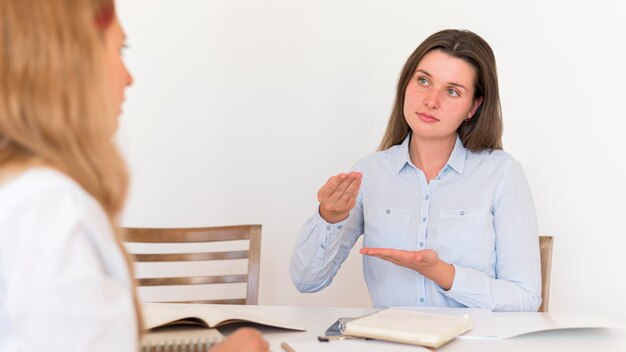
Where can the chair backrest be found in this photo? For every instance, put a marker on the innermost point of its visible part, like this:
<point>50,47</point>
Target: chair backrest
<point>545,248</point>
<point>167,236</point>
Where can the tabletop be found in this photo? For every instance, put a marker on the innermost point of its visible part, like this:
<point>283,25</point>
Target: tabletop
<point>317,319</point>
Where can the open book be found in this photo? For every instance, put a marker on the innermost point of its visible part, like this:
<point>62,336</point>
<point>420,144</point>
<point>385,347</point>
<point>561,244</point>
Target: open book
<point>205,315</point>
<point>209,316</point>
<point>408,326</point>
<point>191,327</point>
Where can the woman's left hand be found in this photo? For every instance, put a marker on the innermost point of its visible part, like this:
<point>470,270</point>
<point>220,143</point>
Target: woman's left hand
<point>425,262</point>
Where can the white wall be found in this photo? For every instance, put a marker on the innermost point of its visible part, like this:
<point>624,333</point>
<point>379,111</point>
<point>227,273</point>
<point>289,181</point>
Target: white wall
<point>242,109</point>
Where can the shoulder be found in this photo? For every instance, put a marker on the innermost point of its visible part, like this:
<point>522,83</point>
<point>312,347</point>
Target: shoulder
<point>48,197</point>
<point>494,159</point>
<point>41,184</point>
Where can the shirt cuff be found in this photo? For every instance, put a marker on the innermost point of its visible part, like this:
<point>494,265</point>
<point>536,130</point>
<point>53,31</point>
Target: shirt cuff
<point>319,221</point>
<point>458,282</point>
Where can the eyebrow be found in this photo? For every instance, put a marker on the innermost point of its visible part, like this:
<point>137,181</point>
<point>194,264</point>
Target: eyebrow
<point>450,83</point>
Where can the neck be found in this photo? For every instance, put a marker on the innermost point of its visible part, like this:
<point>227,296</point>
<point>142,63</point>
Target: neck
<point>430,155</point>
<point>9,171</point>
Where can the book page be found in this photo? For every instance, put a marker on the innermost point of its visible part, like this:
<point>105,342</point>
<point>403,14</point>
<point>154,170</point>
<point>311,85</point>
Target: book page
<point>506,325</point>
<point>161,314</point>
<point>158,314</point>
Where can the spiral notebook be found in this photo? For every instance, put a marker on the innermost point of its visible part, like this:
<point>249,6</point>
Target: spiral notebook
<point>177,338</point>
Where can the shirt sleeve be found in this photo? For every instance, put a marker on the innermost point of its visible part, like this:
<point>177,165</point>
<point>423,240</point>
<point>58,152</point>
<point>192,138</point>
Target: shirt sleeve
<point>517,282</point>
<point>321,248</point>
<point>61,295</point>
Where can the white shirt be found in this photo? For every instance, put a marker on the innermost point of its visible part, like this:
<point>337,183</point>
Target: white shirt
<point>64,283</point>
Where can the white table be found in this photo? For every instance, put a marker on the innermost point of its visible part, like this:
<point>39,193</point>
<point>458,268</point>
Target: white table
<point>317,319</point>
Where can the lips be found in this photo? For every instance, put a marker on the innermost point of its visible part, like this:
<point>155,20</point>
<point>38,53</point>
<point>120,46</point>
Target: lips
<point>426,117</point>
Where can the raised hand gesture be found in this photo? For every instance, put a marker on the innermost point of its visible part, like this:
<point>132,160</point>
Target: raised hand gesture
<point>338,196</point>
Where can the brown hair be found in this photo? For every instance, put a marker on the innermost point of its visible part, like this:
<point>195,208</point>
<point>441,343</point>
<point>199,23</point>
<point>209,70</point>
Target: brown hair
<point>484,130</point>
<point>54,103</point>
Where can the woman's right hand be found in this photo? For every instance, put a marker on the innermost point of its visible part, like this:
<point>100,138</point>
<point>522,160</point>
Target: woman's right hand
<point>243,340</point>
<point>338,196</point>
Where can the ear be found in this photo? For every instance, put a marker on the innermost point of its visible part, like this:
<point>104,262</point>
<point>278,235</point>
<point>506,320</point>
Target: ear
<point>477,103</point>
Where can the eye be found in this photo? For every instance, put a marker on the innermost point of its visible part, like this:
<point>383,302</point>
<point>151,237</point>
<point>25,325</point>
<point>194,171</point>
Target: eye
<point>123,48</point>
<point>422,81</point>
<point>451,92</point>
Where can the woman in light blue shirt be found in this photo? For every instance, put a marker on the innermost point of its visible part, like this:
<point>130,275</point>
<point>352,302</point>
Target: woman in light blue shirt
<point>447,216</point>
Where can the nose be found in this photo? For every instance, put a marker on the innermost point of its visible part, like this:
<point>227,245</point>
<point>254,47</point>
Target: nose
<point>128,76</point>
<point>431,100</point>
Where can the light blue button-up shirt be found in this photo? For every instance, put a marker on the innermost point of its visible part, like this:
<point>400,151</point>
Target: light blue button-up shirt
<point>477,214</point>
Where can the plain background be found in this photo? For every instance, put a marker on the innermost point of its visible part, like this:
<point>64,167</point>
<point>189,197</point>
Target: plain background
<point>241,109</point>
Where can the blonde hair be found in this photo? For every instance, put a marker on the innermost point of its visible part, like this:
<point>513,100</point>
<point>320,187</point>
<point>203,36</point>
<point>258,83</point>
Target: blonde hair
<point>54,103</point>
<point>484,130</point>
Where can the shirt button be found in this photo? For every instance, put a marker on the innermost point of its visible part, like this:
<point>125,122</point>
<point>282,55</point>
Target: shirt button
<point>328,227</point>
<point>322,246</point>
<point>424,219</point>
<point>421,244</point>
<point>462,212</point>
<point>387,211</point>
<point>339,227</point>
<point>427,197</point>
<point>421,299</point>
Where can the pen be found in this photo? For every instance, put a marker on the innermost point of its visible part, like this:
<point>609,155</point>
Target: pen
<point>286,347</point>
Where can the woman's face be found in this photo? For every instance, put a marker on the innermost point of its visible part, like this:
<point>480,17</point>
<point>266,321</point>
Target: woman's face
<point>118,76</point>
<point>439,96</point>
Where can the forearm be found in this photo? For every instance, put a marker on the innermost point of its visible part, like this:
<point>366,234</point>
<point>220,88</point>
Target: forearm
<point>314,258</point>
<point>476,289</point>
<point>441,273</point>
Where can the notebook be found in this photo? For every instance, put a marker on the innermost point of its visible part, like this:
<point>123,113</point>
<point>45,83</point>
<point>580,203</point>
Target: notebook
<point>179,338</point>
<point>192,327</point>
<point>408,326</point>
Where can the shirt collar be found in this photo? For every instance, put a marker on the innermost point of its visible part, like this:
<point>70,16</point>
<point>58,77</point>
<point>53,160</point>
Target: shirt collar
<point>402,155</point>
<point>458,156</point>
<point>456,161</point>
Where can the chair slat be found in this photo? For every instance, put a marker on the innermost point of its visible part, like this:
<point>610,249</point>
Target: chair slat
<point>214,301</point>
<point>195,280</point>
<point>187,257</point>
<point>185,235</point>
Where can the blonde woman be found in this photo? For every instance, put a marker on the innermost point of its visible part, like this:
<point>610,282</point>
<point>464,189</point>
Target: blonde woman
<point>65,279</point>
<point>447,217</point>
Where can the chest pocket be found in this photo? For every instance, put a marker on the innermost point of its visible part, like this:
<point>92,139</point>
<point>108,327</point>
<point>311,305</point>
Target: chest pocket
<point>461,234</point>
<point>386,227</point>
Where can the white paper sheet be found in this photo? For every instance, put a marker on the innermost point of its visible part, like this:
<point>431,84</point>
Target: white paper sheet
<point>502,325</point>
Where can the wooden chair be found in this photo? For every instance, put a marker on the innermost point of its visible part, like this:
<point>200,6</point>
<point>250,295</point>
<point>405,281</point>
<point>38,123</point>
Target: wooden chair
<point>197,235</point>
<point>545,248</point>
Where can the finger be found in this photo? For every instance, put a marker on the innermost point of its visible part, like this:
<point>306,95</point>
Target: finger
<point>348,198</point>
<point>396,256</point>
<point>345,182</point>
<point>380,252</point>
<point>343,189</point>
<point>334,199</point>
<point>329,187</point>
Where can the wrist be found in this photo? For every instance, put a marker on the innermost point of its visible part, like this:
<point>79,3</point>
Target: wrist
<point>442,274</point>
<point>333,217</point>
